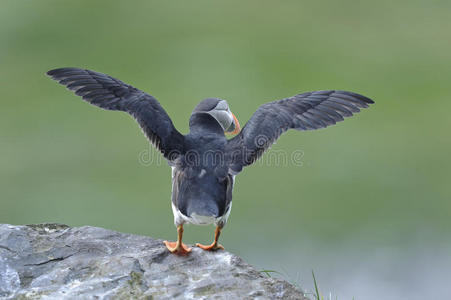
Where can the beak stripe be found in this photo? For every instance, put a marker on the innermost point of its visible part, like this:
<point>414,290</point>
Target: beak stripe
<point>237,125</point>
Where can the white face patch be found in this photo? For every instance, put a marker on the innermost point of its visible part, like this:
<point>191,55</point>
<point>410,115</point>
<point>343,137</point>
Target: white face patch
<point>222,114</point>
<point>224,117</point>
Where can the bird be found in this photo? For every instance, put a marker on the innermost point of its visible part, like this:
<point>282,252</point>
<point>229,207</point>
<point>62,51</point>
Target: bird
<point>205,161</point>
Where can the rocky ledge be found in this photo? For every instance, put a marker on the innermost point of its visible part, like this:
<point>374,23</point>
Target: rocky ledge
<point>53,261</point>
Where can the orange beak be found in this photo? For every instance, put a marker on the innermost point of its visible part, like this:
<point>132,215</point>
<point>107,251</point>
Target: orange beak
<point>237,126</point>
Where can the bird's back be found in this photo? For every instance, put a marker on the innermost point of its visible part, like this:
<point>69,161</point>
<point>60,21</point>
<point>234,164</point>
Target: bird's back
<point>201,183</point>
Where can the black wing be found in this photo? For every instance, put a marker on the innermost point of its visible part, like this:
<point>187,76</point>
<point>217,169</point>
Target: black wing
<point>306,111</point>
<point>112,94</point>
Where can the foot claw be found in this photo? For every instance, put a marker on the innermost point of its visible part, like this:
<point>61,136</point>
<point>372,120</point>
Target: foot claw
<point>181,249</point>
<point>212,247</point>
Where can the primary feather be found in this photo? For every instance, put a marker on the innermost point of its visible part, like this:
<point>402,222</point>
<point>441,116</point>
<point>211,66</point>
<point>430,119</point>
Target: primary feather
<point>308,111</point>
<point>112,94</point>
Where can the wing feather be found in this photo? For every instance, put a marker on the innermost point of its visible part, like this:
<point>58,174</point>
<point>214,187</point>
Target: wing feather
<point>112,94</point>
<point>307,111</point>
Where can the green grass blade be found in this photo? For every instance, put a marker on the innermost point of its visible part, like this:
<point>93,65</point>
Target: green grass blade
<point>316,286</point>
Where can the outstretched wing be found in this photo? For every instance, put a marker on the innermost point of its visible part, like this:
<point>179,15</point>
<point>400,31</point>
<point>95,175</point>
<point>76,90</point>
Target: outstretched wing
<point>306,111</point>
<point>112,94</point>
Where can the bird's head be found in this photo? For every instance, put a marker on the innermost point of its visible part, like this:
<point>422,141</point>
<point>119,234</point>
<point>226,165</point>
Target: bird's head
<point>220,111</point>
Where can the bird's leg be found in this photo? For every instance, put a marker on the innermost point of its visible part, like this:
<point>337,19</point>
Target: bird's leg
<point>214,245</point>
<point>178,247</point>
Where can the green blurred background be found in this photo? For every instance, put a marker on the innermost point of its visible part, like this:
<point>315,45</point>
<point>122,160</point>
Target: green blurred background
<point>369,209</point>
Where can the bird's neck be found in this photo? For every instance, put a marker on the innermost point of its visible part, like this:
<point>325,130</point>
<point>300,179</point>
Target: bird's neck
<point>204,123</point>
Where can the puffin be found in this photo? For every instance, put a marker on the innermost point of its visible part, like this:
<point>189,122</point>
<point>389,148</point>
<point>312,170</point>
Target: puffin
<point>205,161</point>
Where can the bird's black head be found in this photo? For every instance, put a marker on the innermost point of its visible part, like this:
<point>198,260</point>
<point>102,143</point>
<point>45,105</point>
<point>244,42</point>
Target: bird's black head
<point>219,110</point>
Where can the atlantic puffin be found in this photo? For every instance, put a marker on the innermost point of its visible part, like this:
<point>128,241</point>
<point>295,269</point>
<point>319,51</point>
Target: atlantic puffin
<point>205,162</point>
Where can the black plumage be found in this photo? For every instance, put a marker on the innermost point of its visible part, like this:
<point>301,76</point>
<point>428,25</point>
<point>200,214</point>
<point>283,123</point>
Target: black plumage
<point>307,111</point>
<point>112,94</point>
<point>204,162</point>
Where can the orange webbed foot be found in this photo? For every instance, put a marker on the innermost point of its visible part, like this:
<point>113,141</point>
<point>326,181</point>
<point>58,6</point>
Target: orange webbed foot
<point>212,247</point>
<point>180,249</point>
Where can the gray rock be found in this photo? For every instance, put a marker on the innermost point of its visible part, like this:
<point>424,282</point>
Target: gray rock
<point>53,261</point>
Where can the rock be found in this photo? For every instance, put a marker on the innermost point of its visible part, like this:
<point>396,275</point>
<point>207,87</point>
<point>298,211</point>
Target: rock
<point>53,261</point>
